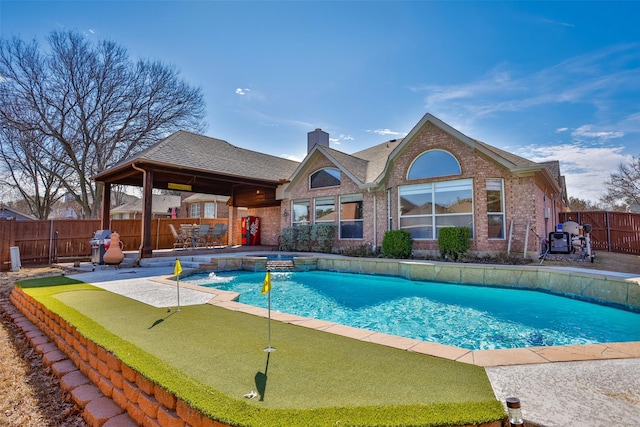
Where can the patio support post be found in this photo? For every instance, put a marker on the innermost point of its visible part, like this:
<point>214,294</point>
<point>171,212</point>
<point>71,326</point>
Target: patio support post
<point>106,206</point>
<point>146,251</point>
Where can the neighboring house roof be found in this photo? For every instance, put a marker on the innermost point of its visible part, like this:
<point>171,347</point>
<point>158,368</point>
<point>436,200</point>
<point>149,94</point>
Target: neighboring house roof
<point>160,205</point>
<point>7,212</point>
<point>201,197</point>
<point>369,168</point>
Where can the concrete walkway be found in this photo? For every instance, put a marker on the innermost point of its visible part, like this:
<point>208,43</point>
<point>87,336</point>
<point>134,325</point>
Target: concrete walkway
<point>590,393</point>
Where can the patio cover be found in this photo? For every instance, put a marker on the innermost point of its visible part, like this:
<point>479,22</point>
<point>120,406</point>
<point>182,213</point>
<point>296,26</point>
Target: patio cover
<point>190,162</point>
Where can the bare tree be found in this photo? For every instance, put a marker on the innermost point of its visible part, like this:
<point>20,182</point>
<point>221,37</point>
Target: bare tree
<point>88,106</point>
<point>34,174</point>
<point>623,186</point>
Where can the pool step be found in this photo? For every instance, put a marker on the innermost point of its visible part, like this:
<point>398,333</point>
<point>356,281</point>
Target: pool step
<point>280,264</point>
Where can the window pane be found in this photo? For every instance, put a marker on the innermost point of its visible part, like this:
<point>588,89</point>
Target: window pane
<point>416,203</point>
<point>454,196</point>
<point>329,177</point>
<point>195,210</point>
<point>496,226</point>
<point>454,221</point>
<point>419,227</point>
<point>494,195</point>
<point>434,163</point>
<point>325,209</point>
<point>351,210</point>
<point>301,211</point>
<point>209,210</point>
<point>351,230</point>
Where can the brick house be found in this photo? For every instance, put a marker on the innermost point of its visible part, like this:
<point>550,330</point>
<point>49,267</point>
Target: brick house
<point>434,177</point>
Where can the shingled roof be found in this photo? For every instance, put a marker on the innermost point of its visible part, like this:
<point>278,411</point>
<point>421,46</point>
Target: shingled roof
<point>204,153</point>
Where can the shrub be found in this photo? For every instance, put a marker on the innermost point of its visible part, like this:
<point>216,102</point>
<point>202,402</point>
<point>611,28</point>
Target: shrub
<point>303,239</point>
<point>288,239</point>
<point>323,235</point>
<point>397,244</point>
<point>454,241</point>
<point>364,250</point>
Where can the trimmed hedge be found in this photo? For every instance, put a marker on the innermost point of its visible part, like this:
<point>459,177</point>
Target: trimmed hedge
<point>454,241</point>
<point>397,244</point>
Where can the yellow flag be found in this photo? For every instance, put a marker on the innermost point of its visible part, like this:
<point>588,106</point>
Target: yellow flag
<point>178,268</point>
<point>266,285</point>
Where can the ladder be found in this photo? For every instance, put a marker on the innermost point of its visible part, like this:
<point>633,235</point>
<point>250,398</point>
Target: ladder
<point>513,225</point>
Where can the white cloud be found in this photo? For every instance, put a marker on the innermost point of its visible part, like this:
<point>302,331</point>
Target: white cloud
<point>242,92</point>
<point>586,131</point>
<point>562,130</point>
<point>585,168</point>
<point>385,132</point>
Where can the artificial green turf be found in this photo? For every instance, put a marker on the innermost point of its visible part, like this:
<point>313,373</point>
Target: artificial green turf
<point>211,356</point>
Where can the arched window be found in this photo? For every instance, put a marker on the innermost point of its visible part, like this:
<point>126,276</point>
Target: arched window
<point>434,163</point>
<point>327,177</point>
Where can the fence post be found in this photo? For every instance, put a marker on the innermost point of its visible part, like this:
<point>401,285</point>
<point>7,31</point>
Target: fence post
<point>608,225</point>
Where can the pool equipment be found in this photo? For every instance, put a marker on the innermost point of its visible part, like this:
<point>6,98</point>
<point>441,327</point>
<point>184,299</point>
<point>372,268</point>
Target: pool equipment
<point>571,238</point>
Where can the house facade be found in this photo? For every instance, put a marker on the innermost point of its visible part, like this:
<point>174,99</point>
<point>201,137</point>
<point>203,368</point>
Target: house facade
<point>435,177</point>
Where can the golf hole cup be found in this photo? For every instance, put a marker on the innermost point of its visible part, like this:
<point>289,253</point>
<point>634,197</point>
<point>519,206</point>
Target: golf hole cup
<point>514,412</point>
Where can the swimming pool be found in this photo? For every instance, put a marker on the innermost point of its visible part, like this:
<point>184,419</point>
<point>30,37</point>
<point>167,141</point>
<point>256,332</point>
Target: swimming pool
<point>471,317</point>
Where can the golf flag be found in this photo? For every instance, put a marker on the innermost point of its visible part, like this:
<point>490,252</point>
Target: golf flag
<point>178,268</point>
<point>266,285</point>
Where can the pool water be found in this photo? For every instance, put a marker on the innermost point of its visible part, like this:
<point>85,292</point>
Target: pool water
<point>472,317</point>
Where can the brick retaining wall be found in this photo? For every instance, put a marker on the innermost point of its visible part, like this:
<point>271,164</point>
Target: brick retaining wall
<point>111,393</point>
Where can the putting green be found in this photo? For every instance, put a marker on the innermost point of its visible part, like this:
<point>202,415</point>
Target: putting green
<point>209,355</point>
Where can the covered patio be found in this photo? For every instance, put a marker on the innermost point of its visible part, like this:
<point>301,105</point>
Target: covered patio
<point>190,162</point>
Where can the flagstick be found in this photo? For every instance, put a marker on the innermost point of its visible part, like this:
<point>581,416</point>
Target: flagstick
<point>269,349</point>
<point>178,286</point>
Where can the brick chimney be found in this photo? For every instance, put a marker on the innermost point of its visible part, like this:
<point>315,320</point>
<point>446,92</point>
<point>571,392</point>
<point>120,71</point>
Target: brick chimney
<point>318,136</point>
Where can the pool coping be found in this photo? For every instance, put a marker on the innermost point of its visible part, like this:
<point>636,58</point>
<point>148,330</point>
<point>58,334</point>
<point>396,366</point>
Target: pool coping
<point>483,358</point>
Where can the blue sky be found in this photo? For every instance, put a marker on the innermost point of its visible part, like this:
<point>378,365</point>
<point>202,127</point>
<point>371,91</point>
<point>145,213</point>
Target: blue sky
<point>544,80</point>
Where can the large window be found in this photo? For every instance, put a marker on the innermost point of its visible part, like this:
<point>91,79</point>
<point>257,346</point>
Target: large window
<point>325,209</point>
<point>300,212</point>
<point>351,221</point>
<point>426,208</point>
<point>434,163</point>
<point>495,208</point>
<point>327,177</point>
<point>209,210</point>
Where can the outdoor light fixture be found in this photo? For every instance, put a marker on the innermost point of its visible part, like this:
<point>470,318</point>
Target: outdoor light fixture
<point>514,412</point>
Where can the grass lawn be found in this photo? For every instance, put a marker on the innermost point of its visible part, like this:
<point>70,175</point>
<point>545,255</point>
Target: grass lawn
<point>211,357</point>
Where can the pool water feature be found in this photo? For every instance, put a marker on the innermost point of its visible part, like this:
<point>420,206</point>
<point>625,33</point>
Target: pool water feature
<point>471,317</point>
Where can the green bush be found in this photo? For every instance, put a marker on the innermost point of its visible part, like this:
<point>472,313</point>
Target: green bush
<point>397,244</point>
<point>303,240</point>
<point>288,239</point>
<point>362,251</point>
<point>454,241</point>
<point>323,236</point>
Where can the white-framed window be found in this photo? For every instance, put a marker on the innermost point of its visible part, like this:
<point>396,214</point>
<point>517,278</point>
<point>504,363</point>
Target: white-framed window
<point>495,208</point>
<point>300,212</point>
<point>324,209</point>
<point>194,212</point>
<point>426,208</point>
<point>327,177</point>
<point>434,163</point>
<point>351,216</point>
<point>209,210</point>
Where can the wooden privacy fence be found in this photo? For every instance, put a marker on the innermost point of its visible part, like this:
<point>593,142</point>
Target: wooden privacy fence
<point>610,231</point>
<point>51,241</point>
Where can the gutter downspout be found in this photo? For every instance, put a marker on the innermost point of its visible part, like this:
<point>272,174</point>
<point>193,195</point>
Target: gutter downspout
<point>142,230</point>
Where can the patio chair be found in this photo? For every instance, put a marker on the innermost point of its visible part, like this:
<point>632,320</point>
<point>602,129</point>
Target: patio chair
<point>201,235</point>
<point>217,233</point>
<point>180,240</point>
